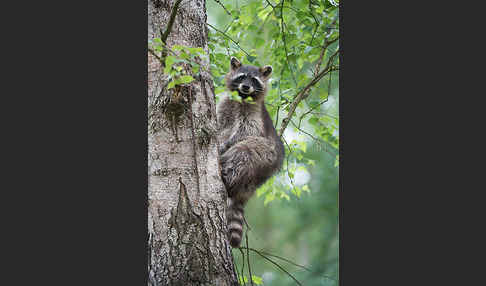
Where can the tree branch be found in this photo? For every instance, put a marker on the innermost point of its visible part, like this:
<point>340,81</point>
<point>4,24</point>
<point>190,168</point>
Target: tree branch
<point>323,51</point>
<point>311,109</point>
<point>273,6</point>
<point>221,4</point>
<point>303,93</point>
<point>164,36</point>
<point>279,95</point>
<point>236,43</point>
<point>317,140</point>
<point>310,13</point>
<point>248,257</point>
<point>279,257</point>
<point>154,54</point>
<point>316,71</point>
<point>243,259</point>
<point>279,267</point>
<point>164,53</point>
<point>282,24</point>
<point>287,158</point>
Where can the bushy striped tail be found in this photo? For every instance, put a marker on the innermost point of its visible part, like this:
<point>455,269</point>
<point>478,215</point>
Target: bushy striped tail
<point>235,218</point>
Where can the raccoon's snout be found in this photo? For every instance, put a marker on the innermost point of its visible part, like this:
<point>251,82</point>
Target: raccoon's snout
<point>245,88</point>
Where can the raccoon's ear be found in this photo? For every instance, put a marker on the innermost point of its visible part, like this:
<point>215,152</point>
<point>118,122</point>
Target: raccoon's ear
<point>266,71</point>
<point>235,63</point>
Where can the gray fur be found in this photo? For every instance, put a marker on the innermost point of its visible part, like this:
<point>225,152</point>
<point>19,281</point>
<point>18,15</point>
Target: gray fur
<point>250,149</point>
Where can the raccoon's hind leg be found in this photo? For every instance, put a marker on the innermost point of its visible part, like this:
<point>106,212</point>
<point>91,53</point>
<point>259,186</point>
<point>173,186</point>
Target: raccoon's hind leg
<point>247,165</point>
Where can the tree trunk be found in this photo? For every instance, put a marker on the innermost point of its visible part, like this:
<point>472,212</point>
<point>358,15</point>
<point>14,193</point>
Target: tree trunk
<point>187,232</point>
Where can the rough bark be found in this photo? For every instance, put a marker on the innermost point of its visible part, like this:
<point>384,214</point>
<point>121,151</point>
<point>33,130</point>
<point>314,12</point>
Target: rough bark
<point>187,232</point>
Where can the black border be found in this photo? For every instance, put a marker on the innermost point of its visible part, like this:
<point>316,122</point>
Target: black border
<point>74,110</point>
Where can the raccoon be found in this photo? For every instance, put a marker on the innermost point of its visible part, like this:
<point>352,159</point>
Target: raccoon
<point>249,147</point>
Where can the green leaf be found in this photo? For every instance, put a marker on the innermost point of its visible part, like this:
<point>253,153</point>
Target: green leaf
<point>184,79</point>
<point>242,279</point>
<point>177,47</point>
<point>264,12</point>
<point>257,280</point>
<point>291,174</point>
<point>300,62</point>
<point>301,15</point>
<point>195,51</point>
<point>249,100</point>
<point>195,68</point>
<point>285,196</point>
<point>297,191</point>
<point>268,198</point>
<point>184,55</point>
<point>313,120</point>
<point>302,168</point>
<point>171,84</point>
<point>169,61</point>
<point>302,145</point>
<point>234,96</point>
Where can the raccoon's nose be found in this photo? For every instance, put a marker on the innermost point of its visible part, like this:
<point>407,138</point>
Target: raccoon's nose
<point>245,87</point>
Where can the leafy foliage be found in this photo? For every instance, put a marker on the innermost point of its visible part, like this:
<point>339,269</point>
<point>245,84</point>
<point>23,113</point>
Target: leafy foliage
<point>181,63</point>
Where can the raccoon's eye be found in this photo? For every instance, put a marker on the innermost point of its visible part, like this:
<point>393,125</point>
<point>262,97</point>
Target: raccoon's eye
<point>256,83</point>
<point>241,77</point>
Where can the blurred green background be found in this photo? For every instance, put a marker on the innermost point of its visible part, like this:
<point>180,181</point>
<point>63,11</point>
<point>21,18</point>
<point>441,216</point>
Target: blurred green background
<point>303,230</point>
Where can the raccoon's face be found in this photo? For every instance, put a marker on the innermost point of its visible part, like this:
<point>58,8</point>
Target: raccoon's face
<point>248,80</point>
